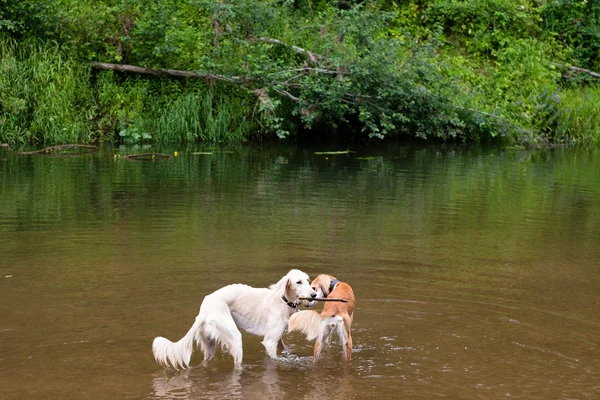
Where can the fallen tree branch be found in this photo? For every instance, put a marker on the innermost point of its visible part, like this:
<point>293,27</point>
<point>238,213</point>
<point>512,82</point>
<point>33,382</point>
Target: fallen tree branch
<point>163,71</point>
<point>147,157</point>
<point>59,147</point>
<point>313,57</point>
<point>289,96</point>
<point>260,93</point>
<point>189,74</point>
<point>577,69</point>
<point>319,70</point>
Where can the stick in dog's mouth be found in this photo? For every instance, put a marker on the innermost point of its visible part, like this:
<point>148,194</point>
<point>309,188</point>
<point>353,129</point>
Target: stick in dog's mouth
<point>322,299</point>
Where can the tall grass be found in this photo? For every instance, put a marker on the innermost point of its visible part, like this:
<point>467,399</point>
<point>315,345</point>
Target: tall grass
<point>144,109</point>
<point>578,120</point>
<point>197,116</point>
<point>44,96</point>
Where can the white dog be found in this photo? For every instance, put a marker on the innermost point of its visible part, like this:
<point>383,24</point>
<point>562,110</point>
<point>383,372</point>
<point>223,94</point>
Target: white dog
<point>259,311</point>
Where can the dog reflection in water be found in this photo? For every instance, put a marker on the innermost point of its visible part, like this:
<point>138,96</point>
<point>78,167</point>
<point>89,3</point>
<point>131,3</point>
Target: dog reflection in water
<point>273,379</point>
<point>336,316</point>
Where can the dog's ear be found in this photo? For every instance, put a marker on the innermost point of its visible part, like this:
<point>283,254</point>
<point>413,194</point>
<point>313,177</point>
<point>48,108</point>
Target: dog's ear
<point>283,286</point>
<point>326,282</point>
<point>321,285</point>
<point>289,293</point>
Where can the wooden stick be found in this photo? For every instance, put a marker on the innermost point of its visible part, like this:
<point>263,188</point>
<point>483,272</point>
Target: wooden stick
<point>323,299</point>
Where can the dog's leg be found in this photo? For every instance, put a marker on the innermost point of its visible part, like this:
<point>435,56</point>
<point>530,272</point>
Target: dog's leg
<point>348,348</point>
<point>328,335</point>
<point>208,347</point>
<point>229,336</point>
<point>322,336</point>
<point>317,350</point>
<point>234,346</point>
<point>271,346</point>
<point>348,344</point>
<point>281,346</point>
<point>272,339</point>
<point>237,352</point>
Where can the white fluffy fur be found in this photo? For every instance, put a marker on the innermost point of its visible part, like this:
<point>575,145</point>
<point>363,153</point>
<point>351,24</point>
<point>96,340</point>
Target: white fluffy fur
<point>259,311</point>
<point>307,322</point>
<point>314,326</point>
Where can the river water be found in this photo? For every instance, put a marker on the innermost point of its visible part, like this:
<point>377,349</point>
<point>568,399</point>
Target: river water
<point>476,271</point>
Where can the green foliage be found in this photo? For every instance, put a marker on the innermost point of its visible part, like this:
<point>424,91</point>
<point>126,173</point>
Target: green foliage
<point>577,119</point>
<point>44,97</point>
<point>39,18</point>
<point>484,26</point>
<point>196,116</point>
<point>119,106</point>
<point>576,24</point>
<point>141,109</point>
<point>502,55</point>
<point>444,69</point>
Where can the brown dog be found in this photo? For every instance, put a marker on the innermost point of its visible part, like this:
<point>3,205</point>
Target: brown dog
<point>336,316</point>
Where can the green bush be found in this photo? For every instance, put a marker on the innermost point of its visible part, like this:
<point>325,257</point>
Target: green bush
<point>443,69</point>
<point>578,116</point>
<point>143,109</point>
<point>44,96</point>
<point>29,18</point>
<point>576,24</point>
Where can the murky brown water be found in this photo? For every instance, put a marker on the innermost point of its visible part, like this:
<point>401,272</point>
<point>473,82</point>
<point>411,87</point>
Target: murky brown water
<point>477,273</point>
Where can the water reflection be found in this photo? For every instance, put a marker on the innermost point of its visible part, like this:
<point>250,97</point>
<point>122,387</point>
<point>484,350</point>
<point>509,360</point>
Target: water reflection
<point>268,381</point>
<point>177,385</point>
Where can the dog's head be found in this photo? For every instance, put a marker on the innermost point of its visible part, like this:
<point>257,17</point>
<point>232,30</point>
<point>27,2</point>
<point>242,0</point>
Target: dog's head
<point>294,285</point>
<point>322,284</point>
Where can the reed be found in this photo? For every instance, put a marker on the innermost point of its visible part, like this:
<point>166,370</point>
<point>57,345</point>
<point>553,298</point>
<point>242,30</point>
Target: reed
<point>200,117</point>
<point>164,110</point>
<point>578,119</point>
<point>44,96</point>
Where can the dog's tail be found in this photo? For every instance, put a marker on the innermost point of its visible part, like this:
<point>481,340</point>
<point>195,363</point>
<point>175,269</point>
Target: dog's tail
<point>177,355</point>
<point>307,322</point>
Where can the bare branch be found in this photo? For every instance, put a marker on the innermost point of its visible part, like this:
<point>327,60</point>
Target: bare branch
<point>577,69</point>
<point>163,71</point>
<point>287,82</point>
<point>59,147</point>
<point>312,56</point>
<point>289,96</point>
<point>319,70</point>
<point>147,157</point>
<point>305,27</point>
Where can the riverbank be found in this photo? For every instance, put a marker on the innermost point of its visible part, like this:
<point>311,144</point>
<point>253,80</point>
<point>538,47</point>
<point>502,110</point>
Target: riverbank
<point>220,73</point>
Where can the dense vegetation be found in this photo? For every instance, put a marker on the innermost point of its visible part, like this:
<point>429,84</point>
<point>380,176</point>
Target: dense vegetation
<point>480,70</point>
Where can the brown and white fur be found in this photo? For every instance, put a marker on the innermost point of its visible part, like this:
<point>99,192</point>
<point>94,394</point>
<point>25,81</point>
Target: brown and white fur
<point>336,316</point>
<point>259,311</point>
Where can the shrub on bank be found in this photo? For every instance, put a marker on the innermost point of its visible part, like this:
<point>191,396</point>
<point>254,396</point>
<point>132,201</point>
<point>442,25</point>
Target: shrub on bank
<point>450,70</point>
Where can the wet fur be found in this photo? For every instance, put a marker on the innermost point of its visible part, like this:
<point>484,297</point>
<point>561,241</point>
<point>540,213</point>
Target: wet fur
<point>259,311</point>
<point>336,316</point>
